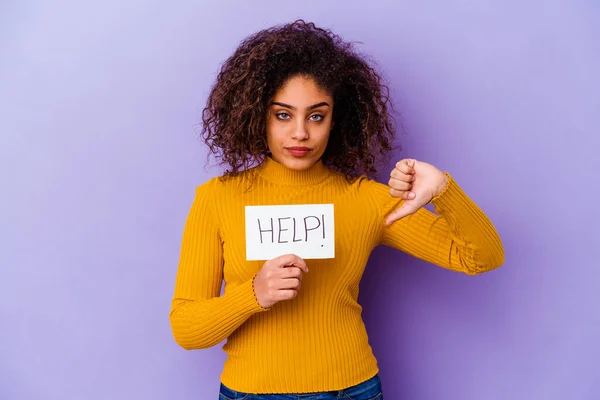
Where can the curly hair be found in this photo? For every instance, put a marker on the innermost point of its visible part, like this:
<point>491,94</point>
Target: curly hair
<point>234,119</point>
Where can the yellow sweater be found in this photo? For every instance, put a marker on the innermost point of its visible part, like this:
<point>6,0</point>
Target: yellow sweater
<point>317,341</point>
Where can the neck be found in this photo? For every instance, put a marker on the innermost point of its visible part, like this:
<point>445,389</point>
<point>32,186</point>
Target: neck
<point>278,173</point>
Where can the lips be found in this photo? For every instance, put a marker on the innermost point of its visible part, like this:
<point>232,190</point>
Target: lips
<point>298,151</point>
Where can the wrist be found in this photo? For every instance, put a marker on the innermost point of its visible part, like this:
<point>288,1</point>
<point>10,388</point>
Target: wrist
<point>442,185</point>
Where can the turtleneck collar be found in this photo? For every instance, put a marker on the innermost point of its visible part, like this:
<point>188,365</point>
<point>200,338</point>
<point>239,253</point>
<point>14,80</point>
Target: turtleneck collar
<point>279,174</point>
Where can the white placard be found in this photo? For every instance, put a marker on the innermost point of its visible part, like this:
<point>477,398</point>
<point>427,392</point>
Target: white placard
<point>306,230</point>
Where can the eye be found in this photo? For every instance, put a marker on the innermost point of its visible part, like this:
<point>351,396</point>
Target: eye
<point>283,116</point>
<point>316,117</point>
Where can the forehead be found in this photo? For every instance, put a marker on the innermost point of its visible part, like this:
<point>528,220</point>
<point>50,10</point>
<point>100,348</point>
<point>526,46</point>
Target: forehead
<point>301,90</point>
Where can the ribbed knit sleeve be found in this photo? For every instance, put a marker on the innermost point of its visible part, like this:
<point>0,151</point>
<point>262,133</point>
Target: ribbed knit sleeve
<point>200,318</point>
<point>460,238</point>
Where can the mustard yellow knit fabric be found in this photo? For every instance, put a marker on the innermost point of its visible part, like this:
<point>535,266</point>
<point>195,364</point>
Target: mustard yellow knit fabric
<point>317,341</point>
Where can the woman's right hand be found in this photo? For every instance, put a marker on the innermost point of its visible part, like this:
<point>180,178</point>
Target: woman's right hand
<point>279,279</point>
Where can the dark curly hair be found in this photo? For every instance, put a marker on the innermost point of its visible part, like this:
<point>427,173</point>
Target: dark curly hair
<point>234,119</point>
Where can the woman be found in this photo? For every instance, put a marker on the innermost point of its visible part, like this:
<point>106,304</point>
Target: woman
<point>299,118</point>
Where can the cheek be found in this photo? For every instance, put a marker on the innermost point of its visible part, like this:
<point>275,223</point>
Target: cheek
<point>271,131</point>
<point>324,137</point>
<point>276,134</point>
<point>273,134</point>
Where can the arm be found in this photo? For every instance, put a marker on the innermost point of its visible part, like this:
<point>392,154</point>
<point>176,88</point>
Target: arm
<point>460,238</point>
<point>199,317</point>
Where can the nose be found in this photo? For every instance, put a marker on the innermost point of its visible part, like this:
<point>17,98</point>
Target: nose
<point>301,131</point>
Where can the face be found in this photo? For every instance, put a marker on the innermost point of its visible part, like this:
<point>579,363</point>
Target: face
<point>299,122</point>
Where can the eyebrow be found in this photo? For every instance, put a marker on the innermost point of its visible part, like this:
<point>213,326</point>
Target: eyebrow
<point>277,103</point>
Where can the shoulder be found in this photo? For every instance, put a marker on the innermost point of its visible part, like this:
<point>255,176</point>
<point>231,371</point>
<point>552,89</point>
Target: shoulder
<point>376,194</point>
<point>369,190</point>
<point>207,188</point>
<point>361,183</point>
<point>370,187</point>
<point>222,187</point>
<point>205,194</point>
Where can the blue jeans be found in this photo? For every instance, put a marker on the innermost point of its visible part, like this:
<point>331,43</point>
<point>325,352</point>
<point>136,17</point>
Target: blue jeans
<point>368,390</point>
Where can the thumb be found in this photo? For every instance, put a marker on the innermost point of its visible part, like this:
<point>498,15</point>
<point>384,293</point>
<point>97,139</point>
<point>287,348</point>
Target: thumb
<point>399,213</point>
<point>290,260</point>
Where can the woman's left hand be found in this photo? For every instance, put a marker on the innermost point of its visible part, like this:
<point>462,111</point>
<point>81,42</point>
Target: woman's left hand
<point>417,183</point>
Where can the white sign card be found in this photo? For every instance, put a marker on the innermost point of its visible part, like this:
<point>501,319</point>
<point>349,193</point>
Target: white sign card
<point>306,230</point>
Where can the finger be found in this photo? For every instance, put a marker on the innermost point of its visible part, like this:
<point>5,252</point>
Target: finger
<point>287,260</point>
<point>407,165</point>
<point>292,283</point>
<point>288,273</point>
<point>398,214</point>
<point>403,176</point>
<point>291,272</point>
<point>399,185</point>
<point>286,294</point>
<point>402,194</point>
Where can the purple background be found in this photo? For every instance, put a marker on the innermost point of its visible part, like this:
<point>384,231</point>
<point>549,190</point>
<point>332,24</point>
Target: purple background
<point>99,161</point>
